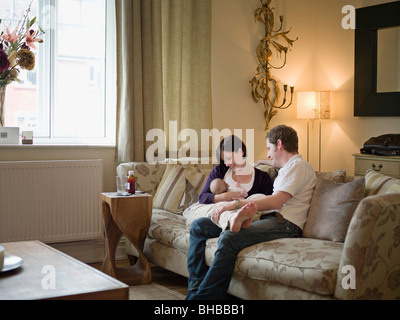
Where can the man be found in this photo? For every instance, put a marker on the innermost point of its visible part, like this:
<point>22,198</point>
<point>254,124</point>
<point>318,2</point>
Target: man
<point>290,202</point>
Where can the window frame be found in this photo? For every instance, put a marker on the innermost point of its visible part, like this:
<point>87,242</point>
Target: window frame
<point>46,80</point>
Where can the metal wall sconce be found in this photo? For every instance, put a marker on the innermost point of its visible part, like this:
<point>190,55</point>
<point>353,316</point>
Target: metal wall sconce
<point>264,86</point>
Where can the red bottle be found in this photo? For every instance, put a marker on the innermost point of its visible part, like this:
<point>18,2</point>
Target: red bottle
<point>131,182</point>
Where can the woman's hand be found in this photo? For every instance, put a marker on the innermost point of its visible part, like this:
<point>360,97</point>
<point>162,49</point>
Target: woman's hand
<point>227,196</point>
<point>220,208</point>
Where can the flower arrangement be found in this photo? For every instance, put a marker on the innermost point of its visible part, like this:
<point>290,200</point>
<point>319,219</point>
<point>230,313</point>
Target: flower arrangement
<point>15,48</point>
<point>16,54</point>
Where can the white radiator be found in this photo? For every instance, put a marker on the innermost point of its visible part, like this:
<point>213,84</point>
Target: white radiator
<point>51,201</point>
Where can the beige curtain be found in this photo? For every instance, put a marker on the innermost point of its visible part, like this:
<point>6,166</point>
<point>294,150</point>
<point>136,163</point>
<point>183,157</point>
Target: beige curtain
<point>164,70</point>
<point>134,78</point>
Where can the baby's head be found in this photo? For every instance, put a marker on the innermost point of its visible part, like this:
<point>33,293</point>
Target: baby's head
<point>218,186</point>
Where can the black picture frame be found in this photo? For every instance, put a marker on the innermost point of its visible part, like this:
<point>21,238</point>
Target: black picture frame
<point>367,101</point>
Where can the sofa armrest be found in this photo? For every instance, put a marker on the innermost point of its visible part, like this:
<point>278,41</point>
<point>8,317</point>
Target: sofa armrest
<point>148,176</point>
<point>372,250</point>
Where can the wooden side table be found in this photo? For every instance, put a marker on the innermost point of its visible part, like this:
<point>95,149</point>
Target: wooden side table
<point>129,216</point>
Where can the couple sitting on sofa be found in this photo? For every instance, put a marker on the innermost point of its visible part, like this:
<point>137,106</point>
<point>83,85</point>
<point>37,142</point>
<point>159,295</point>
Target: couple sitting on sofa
<point>284,206</point>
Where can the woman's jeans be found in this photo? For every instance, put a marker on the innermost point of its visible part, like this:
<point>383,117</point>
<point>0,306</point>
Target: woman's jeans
<point>213,282</point>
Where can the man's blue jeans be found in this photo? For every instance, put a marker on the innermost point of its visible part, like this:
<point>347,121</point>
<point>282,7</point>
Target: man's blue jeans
<point>213,282</point>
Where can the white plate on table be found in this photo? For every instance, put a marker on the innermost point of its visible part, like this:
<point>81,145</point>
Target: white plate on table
<point>11,263</point>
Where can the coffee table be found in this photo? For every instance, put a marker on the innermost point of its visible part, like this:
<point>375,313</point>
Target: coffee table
<point>129,216</point>
<point>47,273</point>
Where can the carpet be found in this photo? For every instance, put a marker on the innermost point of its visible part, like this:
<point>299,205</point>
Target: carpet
<point>153,291</point>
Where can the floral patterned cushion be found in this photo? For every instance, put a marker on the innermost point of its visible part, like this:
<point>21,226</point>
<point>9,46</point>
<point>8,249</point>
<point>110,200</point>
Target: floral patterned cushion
<point>338,176</point>
<point>169,229</point>
<point>372,247</point>
<point>250,289</point>
<point>306,264</point>
<point>147,176</point>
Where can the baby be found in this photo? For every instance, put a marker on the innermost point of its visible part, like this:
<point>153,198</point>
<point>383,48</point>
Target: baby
<point>218,186</point>
<point>230,219</point>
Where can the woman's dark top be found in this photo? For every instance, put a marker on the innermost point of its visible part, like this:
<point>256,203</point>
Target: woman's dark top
<point>262,183</point>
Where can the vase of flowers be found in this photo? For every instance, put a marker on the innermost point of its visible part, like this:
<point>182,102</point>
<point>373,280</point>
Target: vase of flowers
<point>16,53</point>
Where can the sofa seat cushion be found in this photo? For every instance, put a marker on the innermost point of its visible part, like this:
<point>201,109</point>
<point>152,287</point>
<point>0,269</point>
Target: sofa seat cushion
<point>169,229</point>
<point>307,264</point>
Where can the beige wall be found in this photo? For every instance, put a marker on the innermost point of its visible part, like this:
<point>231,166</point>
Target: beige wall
<point>322,59</point>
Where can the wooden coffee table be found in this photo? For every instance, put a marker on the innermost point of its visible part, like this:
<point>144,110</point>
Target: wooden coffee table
<point>129,216</point>
<point>72,279</point>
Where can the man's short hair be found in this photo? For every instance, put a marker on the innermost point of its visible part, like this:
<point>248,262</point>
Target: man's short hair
<point>287,135</point>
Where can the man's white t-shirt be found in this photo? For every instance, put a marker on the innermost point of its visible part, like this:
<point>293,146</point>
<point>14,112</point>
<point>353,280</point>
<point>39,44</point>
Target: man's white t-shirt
<point>298,178</point>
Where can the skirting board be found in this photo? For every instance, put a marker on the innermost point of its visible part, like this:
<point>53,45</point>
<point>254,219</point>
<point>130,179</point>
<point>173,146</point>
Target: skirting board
<point>90,251</point>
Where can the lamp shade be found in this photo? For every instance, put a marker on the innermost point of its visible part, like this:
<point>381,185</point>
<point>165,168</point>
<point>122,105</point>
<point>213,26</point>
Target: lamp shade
<point>314,105</point>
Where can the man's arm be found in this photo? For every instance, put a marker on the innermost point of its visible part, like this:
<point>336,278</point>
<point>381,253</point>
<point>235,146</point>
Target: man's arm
<point>272,202</point>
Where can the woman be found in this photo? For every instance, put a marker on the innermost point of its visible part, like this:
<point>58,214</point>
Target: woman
<point>233,168</point>
<point>236,172</point>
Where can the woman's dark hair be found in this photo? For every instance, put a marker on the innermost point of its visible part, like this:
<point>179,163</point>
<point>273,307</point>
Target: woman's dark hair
<point>231,144</point>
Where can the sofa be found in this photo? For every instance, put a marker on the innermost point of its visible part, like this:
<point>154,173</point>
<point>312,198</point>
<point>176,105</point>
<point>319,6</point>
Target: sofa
<point>350,248</point>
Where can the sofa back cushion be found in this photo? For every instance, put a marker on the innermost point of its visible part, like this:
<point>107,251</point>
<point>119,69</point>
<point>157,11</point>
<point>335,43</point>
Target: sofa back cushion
<point>338,176</point>
<point>170,192</point>
<point>273,172</point>
<point>377,184</point>
<point>147,176</point>
<point>332,207</point>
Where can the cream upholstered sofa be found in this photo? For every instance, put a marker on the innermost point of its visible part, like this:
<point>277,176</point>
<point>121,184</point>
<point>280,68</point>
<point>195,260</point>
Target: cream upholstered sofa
<point>350,247</point>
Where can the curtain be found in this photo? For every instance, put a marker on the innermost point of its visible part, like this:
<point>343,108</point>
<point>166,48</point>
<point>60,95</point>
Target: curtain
<point>134,78</point>
<point>164,70</point>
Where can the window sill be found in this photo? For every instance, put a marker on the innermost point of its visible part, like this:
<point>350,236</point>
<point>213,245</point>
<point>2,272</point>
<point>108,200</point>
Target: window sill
<point>56,146</point>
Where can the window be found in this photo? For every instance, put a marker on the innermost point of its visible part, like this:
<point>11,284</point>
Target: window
<point>68,97</point>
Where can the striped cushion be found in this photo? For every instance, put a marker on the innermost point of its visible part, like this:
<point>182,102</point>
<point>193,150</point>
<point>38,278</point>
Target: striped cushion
<point>376,184</point>
<point>170,191</point>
